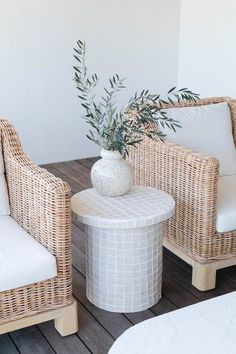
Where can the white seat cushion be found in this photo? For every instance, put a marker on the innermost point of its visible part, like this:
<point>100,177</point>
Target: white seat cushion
<point>226,204</point>
<point>206,129</point>
<point>4,201</point>
<point>23,260</point>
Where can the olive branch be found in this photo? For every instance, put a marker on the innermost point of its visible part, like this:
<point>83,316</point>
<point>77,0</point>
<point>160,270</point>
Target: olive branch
<point>114,129</point>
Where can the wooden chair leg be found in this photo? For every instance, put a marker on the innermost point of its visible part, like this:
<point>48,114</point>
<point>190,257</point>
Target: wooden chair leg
<point>67,322</point>
<point>204,275</point>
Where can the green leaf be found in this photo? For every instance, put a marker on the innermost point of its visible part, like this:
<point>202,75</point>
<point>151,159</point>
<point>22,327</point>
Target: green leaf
<point>78,59</point>
<point>163,101</point>
<point>170,100</point>
<point>89,137</point>
<point>111,83</point>
<point>85,106</point>
<point>172,89</point>
<point>80,89</point>
<point>77,69</point>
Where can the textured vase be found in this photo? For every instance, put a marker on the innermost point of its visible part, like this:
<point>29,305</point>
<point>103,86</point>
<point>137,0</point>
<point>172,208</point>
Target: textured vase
<point>112,175</point>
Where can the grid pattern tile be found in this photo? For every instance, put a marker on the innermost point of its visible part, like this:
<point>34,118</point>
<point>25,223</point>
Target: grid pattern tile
<point>124,268</point>
<point>142,206</point>
<point>124,246</point>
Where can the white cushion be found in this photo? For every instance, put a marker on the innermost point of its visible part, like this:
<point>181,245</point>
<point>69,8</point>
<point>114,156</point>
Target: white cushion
<point>4,201</point>
<point>204,328</point>
<point>206,129</point>
<point>226,204</point>
<point>23,260</point>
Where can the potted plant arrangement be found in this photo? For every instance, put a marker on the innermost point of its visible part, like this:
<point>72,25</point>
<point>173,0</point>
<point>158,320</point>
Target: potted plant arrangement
<point>115,130</point>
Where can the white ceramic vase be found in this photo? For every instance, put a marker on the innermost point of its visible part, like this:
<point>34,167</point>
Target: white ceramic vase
<point>112,175</point>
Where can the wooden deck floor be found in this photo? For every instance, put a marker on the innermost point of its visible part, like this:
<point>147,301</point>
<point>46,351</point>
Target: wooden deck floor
<point>98,328</point>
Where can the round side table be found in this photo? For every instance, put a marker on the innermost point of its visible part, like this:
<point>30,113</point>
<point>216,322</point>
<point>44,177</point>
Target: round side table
<point>124,246</point>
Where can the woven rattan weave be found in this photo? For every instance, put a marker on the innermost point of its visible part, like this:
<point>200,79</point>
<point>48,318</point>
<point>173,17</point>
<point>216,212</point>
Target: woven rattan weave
<point>40,203</point>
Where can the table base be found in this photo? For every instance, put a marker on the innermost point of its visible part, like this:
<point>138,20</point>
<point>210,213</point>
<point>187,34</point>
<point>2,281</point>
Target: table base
<point>124,267</point>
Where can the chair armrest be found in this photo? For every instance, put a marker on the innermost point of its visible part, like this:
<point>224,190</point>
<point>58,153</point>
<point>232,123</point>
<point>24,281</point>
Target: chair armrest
<point>39,201</point>
<point>191,178</point>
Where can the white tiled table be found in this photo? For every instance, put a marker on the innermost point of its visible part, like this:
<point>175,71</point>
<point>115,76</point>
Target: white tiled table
<point>124,246</point>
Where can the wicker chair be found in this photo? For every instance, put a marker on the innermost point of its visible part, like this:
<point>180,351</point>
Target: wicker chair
<point>191,178</point>
<point>40,203</point>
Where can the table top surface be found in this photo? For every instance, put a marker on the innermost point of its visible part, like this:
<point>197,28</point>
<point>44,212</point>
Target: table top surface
<point>207,327</point>
<point>142,206</point>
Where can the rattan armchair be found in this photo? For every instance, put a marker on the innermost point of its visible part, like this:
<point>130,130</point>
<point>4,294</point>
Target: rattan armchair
<point>191,178</point>
<point>40,203</point>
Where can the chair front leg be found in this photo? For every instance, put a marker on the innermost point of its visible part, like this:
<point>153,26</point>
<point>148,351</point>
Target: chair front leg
<point>204,275</point>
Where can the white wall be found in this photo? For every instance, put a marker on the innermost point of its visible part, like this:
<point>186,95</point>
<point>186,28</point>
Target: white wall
<point>207,52</point>
<point>136,38</point>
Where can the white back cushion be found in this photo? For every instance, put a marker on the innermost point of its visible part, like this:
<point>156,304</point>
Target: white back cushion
<point>4,200</point>
<point>226,204</point>
<point>206,129</point>
<point>23,260</point>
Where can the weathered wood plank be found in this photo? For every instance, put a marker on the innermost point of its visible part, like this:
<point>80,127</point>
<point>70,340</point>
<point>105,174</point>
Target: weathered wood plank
<point>94,159</point>
<point>31,341</point>
<point>7,346</point>
<point>62,345</point>
<point>181,273</point>
<point>79,168</point>
<point>137,317</point>
<point>78,236</point>
<point>184,279</point>
<point>88,163</point>
<point>96,338</point>
<point>74,175</point>
<point>75,186</point>
<point>176,294</point>
<point>163,306</point>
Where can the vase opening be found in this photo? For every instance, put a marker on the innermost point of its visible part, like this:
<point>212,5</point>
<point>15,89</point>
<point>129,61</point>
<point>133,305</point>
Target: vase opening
<point>111,154</point>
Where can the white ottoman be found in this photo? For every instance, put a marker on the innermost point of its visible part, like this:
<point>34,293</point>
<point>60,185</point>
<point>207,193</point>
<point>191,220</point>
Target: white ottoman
<point>124,246</point>
<point>208,327</point>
